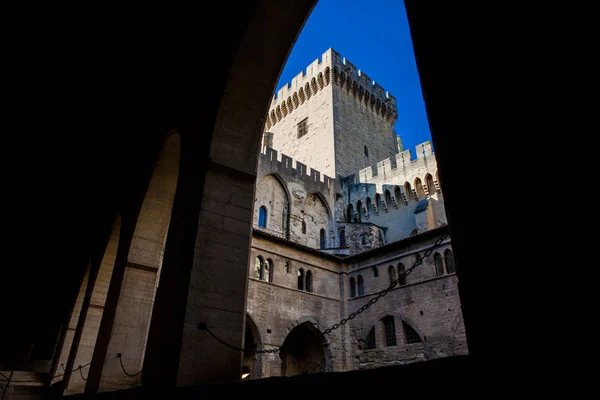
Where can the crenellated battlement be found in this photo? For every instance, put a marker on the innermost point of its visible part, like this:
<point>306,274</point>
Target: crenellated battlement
<point>270,161</point>
<point>313,71</point>
<point>400,166</point>
<point>331,67</point>
<point>362,87</point>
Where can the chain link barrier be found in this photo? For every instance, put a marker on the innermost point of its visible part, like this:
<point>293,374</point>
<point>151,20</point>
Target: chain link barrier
<point>350,317</point>
<point>51,379</point>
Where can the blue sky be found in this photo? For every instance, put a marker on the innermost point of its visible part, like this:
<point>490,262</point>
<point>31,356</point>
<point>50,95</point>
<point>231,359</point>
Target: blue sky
<point>375,37</point>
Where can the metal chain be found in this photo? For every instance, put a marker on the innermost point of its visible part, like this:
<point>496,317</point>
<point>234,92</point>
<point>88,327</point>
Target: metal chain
<point>204,327</point>
<point>54,377</point>
<point>123,368</point>
<point>81,373</point>
<point>374,300</point>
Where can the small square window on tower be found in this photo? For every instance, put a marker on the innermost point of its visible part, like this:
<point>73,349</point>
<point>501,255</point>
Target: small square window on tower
<point>302,127</point>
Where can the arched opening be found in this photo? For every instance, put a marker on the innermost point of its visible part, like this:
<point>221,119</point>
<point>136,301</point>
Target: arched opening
<point>375,272</point>
<point>317,215</point>
<point>401,271</point>
<point>309,281</point>
<point>388,198</point>
<point>410,334</point>
<point>392,274</point>
<point>268,270</point>
<point>377,201</point>
<point>301,278</point>
<point>252,362</point>
<point>359,211</point>
<point>360,285</point>
<point>303,351</point>
<point>350,213</point>
<point>272,196</point>
<point>142,273</point>
<point>398,195</point>
<point>419,189</point>
<point>342,238</point>
<point>81,348</point>
<point>408,192</point>
<point>258,267</point>
<point>262,217</point>
<point>369,205</point>
<point>352,287</point>
<point>430,184</point>
<point>389,329</point>
<point>439,264</point>
<point>449,261</point>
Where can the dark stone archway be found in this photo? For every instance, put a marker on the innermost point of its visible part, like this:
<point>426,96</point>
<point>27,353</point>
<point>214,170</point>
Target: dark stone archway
<point>304,351</point>
<point>252,362</point>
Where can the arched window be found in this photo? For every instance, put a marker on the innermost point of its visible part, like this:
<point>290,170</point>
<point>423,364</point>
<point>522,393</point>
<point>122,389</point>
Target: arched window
<point>262,217</point>
<point>350,213</point>
<point>410,335</point>
<point>390,330</point>
<point>300,279</point>
<point>388,197</point>
<point>401,271</point>
<point>268,271</point>
<point>439,264</point>
<point>286,267</point>
<point>322,239</point>
<point>352,287</point>
<point>375,272</point>
<point>419,189</point>
<point>449,258</point>
<point>369,205</point>
<point>392,272</point>
<point>377,200</point>
<point>398,195</point>
<point>258,267</point>
<point>408,192</point>
<point>303,227</point>
<point>359,210</point>
<point>309,283</point>
<point>342,238</point>
<point>370,342</point>
<point>430,184</point>
<point>361,285</point>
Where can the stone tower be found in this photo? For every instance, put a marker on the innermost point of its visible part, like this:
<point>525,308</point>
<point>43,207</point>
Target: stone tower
<point>332,117</point>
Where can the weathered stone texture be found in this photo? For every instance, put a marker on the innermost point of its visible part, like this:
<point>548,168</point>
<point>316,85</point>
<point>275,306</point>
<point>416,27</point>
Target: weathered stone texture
<point>316,147</point>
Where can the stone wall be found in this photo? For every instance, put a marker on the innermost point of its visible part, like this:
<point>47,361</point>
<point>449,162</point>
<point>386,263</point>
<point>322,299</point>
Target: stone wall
<point>364,116</point>
<point>427,303</point>
<point>308,96</point>
<point>279,306</point>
